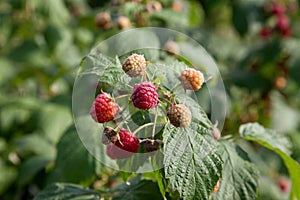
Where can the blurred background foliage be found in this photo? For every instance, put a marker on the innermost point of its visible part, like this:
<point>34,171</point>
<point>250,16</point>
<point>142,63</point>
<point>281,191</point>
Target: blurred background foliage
<point>256,44</point>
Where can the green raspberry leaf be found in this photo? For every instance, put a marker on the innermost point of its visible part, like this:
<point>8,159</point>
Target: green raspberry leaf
<point>268,137</point>
<point>239,177</point>
<point>136,189</point>
<point>72,160</point>
<point>110,72</point>
<point>192,164</point>
<point>277,143</point>
<point>67,192</point>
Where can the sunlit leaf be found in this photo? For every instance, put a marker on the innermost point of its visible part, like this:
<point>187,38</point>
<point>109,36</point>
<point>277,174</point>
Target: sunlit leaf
<point>192,163</point>
<point>277,143</point>
<point>239,177</point>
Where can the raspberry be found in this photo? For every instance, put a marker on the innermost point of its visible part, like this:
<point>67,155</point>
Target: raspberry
<point>172,47</point>
<point>153,6</point>
<point>179,115</point>
<point>265,32</point>
<point>191,79</point>
<point>278,9</point>
<point>124,146</point>
<point>280,82</point>
<point>284,184</point>
<point>103,20</point>
<point>285,32</point>
<point>177,6</point>
<point>104,109</point>
<point>123,22</point>
<point>144,96</point>
<point>127,141</point>
<point>152,145</point>
<point>283,22</point>
<point>134,65</point>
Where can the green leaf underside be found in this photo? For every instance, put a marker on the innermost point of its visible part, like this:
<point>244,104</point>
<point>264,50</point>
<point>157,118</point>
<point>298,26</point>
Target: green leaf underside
<point>192,164</point>
<point>136,189</point>
<point>265,137</point>
<point>95,60</point>
<point>64,191</point>
<point>109,71</point>
<point>239,177</point>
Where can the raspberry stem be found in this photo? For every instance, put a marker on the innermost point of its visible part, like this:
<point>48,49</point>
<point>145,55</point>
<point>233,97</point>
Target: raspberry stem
<point>122,96</point>
<point>128,128</point>
<point>123,121</point>
<point>167,100</point>
<point>141,127</point>
<point>121,113</point>
<point>147,75</point>
<point>176,87</point>
<point>155,118</point>
<point>129,86</point>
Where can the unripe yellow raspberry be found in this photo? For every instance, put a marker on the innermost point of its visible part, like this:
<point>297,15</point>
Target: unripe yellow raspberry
<point>191,79</point>
<point>134,65</point>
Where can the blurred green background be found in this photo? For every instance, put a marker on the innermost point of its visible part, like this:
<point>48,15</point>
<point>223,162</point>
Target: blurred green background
<point>256,44</point>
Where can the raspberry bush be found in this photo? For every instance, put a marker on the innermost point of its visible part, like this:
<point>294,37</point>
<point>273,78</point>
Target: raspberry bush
<point>143,116</point>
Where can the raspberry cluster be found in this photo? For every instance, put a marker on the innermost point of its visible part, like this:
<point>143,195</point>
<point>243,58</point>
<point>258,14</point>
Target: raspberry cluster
<point>277,12</point>
<point>107,20</point>
<point>103,20</point>
<point>122,143</point>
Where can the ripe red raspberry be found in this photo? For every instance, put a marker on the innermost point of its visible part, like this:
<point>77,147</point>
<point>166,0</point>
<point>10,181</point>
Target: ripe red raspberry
<point>124,146</point>
<point>265,32</point>
<point>179,115</point>
<point>191,79</point>
<point>284,184</point>
<point>286,32</point>
<point>127,141</point>
<point>144,96</point>
<point>104,109</point>
<point>278,9</point>
<point>283,22</point>
<point>134,65</point>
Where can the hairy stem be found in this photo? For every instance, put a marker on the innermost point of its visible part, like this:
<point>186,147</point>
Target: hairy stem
<point>122,96</point>
<point>141,127</point>
<point>155,118</point>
